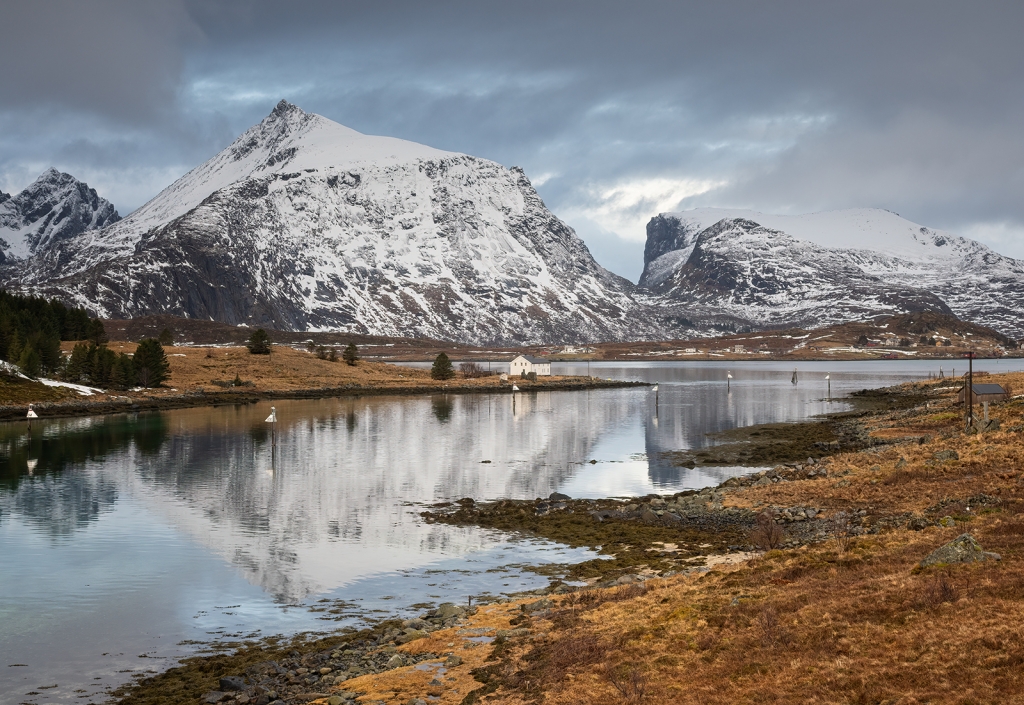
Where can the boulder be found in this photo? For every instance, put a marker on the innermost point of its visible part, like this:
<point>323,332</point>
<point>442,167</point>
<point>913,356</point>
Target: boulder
<point>917,524</point>
<point>559,497</point>
<point>232,683</point>
<point>447,611</point>
<point>963,549</point>
<point>537,606</point>
<point>943,455</point>
<point>412,635</point>
<point>214,696</point>
<point>453,661</point>
<point>648,516</point>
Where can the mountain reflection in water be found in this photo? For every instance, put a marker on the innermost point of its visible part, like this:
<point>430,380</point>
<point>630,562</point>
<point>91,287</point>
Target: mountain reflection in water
<point>134,534</point>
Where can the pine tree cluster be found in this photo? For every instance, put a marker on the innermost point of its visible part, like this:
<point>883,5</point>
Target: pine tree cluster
<point>100,366</point>
<point>31,329</point>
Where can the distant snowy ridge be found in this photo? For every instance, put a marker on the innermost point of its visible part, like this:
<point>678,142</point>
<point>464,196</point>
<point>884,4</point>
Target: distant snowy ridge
<point>827,267</point>
<point>55,207</point>
<point>304,224</point>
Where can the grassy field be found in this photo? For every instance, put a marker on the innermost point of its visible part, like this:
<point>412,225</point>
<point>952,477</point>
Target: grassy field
<point>211,373</point>
<point>848,619</point>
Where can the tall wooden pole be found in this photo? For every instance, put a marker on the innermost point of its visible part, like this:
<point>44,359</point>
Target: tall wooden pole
<point>970,387</point>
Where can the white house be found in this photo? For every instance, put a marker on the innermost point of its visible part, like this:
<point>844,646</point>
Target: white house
<point>528,364</point>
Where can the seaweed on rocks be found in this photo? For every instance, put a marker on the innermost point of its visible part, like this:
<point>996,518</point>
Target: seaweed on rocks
<point>288,672</point>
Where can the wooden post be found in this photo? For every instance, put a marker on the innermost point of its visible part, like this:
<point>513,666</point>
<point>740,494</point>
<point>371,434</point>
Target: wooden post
<point>970,388</point>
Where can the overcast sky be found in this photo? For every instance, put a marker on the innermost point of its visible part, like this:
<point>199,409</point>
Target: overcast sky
<point>617,110</point>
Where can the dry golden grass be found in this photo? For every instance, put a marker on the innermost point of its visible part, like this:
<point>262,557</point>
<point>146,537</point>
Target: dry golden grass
<point>825,623</point>
<point>195,369</point>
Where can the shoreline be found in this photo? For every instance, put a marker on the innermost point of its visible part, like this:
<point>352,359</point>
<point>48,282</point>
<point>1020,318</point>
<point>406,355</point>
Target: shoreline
<point>696,543</point>
<point>68,409</point>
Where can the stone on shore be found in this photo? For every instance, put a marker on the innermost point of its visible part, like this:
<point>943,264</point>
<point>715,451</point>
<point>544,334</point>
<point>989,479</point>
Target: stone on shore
<point>963,549</point>
<point>233,683</point>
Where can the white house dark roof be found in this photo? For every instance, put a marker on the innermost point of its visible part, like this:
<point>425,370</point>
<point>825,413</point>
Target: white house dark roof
<point>537,360</point>
<point>988,389</point>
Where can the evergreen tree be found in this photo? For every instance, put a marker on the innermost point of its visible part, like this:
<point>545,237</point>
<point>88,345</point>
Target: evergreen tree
<point>97,333</point>
<point>259,342</point>
<point>28,361</point>
<point>48,347</point>
<point>151,366</point>
<point>101,365</point>
<point>78,368</point>
<point>166,337</point>
<point>442,368</point>
<point>351,354</point>
<point>123,374</point>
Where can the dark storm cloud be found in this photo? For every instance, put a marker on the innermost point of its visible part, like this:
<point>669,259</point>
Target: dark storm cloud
<point>617,110</point>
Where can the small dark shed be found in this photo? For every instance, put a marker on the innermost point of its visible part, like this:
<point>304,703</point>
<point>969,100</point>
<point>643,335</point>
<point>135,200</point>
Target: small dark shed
<point>985,392</point>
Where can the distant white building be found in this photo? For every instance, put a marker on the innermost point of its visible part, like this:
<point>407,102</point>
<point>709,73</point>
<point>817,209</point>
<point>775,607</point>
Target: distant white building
<point>528,364</point>
<point>739,348</point>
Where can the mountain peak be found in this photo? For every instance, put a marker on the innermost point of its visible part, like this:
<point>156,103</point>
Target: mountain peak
<point>54,207</point>
<point>283,108</point>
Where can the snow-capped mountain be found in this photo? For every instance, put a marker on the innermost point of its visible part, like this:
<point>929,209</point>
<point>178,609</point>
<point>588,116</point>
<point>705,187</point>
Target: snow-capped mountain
<point>55,207</point>
<point>827,267</point>
<point>304,224</point>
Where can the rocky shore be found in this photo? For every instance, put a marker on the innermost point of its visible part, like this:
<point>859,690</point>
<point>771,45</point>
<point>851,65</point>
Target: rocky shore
<point>303,677</point>
<point>909,544</point>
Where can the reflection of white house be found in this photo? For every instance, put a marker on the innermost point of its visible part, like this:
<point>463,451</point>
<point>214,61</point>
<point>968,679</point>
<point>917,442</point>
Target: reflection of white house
<point>528,364</point>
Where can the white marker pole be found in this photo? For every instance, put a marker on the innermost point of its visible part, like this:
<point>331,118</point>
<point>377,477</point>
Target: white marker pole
<point>828,378</point>
<point>31,415</point>
<point>728,381</point>
<point>272,420</point>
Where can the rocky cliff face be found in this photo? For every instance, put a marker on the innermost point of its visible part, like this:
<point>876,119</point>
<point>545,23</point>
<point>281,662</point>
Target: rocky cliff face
<point>55,207</point>
<point>763,270</point>
<point>303,224</point>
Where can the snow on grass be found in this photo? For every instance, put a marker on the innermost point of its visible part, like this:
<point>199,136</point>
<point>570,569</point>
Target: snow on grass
<point>80,388</point>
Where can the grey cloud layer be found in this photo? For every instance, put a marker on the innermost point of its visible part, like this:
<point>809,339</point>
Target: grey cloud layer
<point>783,106</point>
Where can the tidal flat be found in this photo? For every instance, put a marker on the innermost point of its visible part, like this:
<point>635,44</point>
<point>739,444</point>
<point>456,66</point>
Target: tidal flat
<point>750,610</point>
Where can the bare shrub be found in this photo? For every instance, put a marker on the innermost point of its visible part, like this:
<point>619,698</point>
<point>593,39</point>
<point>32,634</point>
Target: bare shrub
<point>630,681</point>
<point>841,528</point>
<point>770,627</point>
<point>938,591</point>
<point>708,639</point>
<point>767,535</point>
<point>629,592</point>
<point>472,369</point>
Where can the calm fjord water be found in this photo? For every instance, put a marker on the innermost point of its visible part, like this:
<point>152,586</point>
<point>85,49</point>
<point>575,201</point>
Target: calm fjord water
<point>123,538</point>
